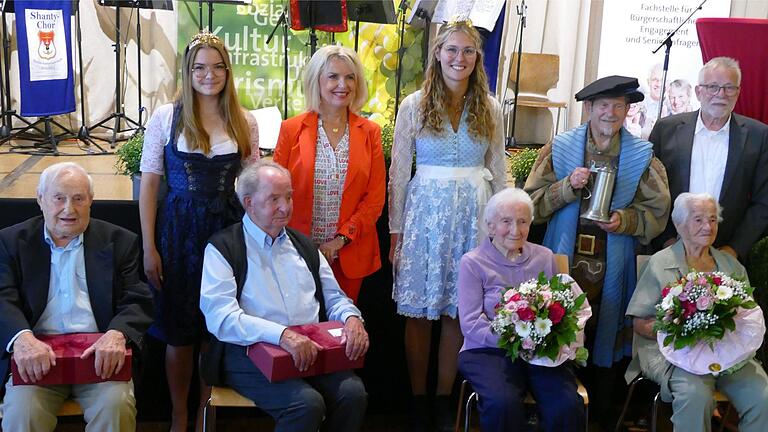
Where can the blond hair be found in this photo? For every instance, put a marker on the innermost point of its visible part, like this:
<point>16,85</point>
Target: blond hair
<point>317,65</point>
<point>189,122</point>
<point>478,105</point>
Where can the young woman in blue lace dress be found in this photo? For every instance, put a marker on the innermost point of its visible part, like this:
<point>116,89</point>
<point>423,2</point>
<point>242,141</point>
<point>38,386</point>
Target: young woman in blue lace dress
<point>198,143</point>
<point>454,128</point>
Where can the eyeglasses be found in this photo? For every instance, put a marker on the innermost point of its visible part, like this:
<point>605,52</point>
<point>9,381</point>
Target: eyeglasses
<point>453,51</point>
<point>202,71</point>
<point>713,89</point>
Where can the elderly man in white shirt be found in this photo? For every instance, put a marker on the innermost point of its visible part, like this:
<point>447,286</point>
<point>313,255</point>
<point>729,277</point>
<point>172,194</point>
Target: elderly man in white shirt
<point>64,272</point>
<point>718,152</point>
<point>257,281</point>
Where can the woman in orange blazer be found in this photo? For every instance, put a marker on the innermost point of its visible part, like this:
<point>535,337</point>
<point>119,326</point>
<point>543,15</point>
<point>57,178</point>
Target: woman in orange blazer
<point>337,167</point>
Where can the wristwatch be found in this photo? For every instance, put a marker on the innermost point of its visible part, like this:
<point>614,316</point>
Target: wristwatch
<point>344,238</point>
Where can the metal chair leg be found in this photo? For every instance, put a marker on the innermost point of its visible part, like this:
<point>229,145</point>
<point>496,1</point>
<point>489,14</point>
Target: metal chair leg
<point>624,409</point>
<point>205,415</point>
<point>655,411</point>
<point>468,410</point>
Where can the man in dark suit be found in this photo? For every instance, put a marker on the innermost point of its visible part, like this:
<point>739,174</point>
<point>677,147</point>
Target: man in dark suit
<point>724,154</point>
<point>67,273</point>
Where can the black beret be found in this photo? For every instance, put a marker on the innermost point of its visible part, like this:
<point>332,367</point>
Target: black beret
<point>612,86</point>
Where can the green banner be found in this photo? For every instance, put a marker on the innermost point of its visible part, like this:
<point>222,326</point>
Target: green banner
<point>258,66</point>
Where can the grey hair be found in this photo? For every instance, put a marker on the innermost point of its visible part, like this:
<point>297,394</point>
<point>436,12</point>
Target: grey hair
<point>507,195</point>
<point>53,172</point>
<point>248,180</point>
<point>682,207</point>
<point>721,62</point>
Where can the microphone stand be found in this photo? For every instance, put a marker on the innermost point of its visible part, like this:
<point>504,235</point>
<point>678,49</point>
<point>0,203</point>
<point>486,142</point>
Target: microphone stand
<point>399,74</point>
<point>521,11</point>
<point>283,20</point>
<point>424,14</point>
<point>668,44</point>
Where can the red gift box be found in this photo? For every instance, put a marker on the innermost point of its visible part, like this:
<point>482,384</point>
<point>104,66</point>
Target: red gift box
<point>70,368</point>
<point>277,364</point>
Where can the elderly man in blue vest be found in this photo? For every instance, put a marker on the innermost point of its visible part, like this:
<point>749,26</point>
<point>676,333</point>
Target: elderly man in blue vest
<point>259,277</point>
<point>601,254</point>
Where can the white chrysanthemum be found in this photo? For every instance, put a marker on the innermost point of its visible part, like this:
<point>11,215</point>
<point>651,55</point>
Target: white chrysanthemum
<point>724,292</point>
<point>523,328</point>
<point>542,326</point>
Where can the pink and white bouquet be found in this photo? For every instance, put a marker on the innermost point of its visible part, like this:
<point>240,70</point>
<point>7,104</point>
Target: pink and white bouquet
<point>708,322</point>
<point>542,321</point>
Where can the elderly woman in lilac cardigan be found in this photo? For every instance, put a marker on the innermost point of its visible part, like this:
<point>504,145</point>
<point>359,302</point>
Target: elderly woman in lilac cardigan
<point>507,259</point>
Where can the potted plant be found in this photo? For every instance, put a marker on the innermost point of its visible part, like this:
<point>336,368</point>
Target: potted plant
<point>129,160</point>
<point>387,135</point>
<point>520,164</point>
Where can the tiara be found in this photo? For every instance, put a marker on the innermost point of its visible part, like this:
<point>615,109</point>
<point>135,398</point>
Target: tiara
<point>204,37</point>
<point>458,20</point>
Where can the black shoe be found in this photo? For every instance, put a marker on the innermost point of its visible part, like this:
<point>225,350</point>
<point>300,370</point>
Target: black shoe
<point>418,420</point>
<point>445,418</point>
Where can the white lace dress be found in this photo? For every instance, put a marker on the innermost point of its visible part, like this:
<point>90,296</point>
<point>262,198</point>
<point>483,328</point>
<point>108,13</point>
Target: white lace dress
<point>438,211</point>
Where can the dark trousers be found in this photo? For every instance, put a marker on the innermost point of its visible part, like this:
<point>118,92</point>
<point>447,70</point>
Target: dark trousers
<point>502,384</point>
<point>299,405</point>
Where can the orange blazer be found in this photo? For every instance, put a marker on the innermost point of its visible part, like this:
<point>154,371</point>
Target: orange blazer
<point>364,187</point>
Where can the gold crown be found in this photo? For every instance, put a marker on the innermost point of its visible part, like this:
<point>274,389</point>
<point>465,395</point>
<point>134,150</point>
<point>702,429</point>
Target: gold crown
<point>459,20</point>
<point>204,37</point>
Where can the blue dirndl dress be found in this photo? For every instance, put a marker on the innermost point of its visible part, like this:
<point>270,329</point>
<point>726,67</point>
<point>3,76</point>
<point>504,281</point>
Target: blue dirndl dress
<point>200,201</point>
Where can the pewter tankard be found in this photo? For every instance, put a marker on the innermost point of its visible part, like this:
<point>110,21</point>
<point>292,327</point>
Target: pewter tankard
<point>600,198</point>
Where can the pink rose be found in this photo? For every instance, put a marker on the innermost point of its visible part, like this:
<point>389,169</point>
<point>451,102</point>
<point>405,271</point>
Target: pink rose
<point>704,303</point>
<point>556,312</point>
<point>516,297</point>
<point>528,343</point>
<point>526,314</point>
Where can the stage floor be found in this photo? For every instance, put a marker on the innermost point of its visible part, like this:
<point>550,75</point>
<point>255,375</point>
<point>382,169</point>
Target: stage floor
<point>19,172</point>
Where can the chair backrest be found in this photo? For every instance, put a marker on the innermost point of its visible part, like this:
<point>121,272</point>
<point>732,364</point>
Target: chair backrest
<point>562,263</point>
<point>538,73</point>
<point>269,120</point>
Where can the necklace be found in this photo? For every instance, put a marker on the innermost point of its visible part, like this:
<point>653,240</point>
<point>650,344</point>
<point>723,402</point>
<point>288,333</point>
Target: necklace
<point>336,129</point>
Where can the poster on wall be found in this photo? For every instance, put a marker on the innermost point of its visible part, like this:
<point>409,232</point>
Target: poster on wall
<point>631,30</point>
<point>45,53</point>
<point>257,67</point>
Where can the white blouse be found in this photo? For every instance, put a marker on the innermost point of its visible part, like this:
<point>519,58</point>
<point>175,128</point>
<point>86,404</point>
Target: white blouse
<point>157,134</point>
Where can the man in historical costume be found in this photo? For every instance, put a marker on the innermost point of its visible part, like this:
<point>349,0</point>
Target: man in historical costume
<point>60,273</point>
<point>601,254</point>
<point>260,277</point>
<point>718,152</point>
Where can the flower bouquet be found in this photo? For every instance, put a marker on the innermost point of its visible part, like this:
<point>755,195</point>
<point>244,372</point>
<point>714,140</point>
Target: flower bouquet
<point>542,321</point>
<point>708,322</point>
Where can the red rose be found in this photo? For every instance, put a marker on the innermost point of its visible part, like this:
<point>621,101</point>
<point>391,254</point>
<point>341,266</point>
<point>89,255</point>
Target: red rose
<point>717,280</point>
<point>556,312</point>
<point>516,297</point>
<point>527,314</point>
<point>689,308</point>
<point>665,291</point>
